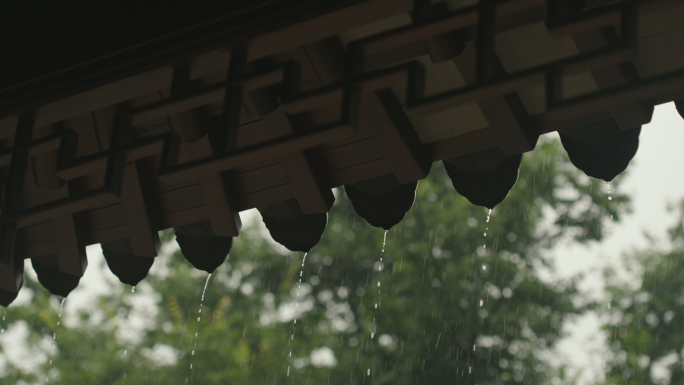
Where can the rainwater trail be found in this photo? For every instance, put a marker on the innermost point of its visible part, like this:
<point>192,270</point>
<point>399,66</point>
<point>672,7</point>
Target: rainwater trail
<point>610,196</point>
<point>299,290</point>
<point>199,318</point>
<point>378,267</point>
<point>2,328</point>
<point>484,247</point>
<point>129,326</point>
<point>54,337</point>
<point>129,318</point>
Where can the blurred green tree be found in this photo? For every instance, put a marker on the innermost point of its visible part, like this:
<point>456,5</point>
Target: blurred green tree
<point>444,303</point>
<point>644,318</point>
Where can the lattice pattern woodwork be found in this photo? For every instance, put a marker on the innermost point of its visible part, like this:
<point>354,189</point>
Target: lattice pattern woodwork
<point>369,89</point>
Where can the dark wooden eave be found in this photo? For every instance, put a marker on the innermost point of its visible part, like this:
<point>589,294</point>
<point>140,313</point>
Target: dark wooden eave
<point>53,50</point>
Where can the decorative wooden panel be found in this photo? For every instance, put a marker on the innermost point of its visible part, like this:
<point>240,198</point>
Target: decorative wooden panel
<point>324,101</point>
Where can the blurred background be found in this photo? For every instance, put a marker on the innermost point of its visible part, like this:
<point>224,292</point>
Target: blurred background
<point>571,281</point>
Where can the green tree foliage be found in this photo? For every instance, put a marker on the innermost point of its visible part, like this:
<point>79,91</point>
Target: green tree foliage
<point>443,304</point>
<point>644,322</point>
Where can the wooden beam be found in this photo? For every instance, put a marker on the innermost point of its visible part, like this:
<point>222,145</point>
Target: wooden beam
<point>10,275</point>
<point>463,144</point>
<point>224,220</point>
<point>629,115</point>
<point>14,184</point>
<point>383,115</point>
<point>510,123</point>
<point>71,253</point>
<point>142,231</point>
<point>313,197</point>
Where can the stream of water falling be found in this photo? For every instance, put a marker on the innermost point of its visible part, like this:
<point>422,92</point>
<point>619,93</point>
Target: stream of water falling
<point>489,215</point>
<point>380,267</point>
<point>199,318</point>
<point>54,337</point>
<point>610,196</point>
<point>129,326</point>
<point>2,328</point>
<point>299,287</point>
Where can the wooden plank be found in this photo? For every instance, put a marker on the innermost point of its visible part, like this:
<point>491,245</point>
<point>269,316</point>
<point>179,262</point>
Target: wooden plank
<point>71,254</point>
<point>395,135</point>
<point>14,183</point>
<point>245,156</point>
<point>36,234</point>
<point>257,179</point>
<point>224,220</point>
<point>359,172</point>
<point>108,235</point>
<point>631,114</point>
<point>10,280</point>
<point>107,95</point>
<point>476,93</point>
<point>548,122</point>
<point>668,86</point>
<point>351,154</point>
<point>312,196</point>
<point>67,206</point>
<point>326,25</point>
<point>180,199</point>
<point>183,217</point>
<point>509,122</point>
<point>402,36</point>
<point>264,197</point>
<point>142,232</point>
<point>39,250</point>
<point>104,218</point>
<point>594,20</point>
<point>463,144</point>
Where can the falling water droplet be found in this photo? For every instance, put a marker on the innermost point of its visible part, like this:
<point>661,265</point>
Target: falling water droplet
<point>205,286</point>
<point>199,315</point>
<point>481,302</point>
<point>384,239</point>
<point>133,289</point>
<point>484,267</point>
<point>470,369</point>
<point>288,371</point>
<point>125,352</point>
<point>489,214</point>
<point>304,259</point>
<point>369,372</point>
<point>608,305</point>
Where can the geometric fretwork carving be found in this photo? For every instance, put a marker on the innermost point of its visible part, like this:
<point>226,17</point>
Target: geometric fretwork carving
<point>297,111</point>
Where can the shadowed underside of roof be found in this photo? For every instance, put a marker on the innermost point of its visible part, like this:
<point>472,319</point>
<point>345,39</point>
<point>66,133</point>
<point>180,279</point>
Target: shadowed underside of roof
<point>189,119</point>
